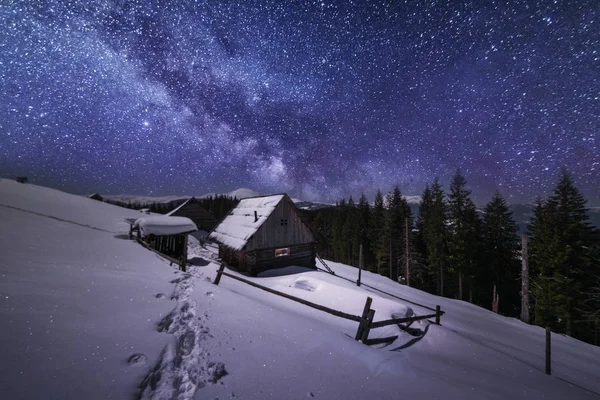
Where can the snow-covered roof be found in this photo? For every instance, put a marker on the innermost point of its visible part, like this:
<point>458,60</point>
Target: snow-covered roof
<point>164,225</point>
<point>239,226</point>
<point>177,209</point>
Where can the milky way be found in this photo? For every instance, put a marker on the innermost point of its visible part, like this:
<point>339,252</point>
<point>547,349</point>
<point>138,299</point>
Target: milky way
<point>320,99</point>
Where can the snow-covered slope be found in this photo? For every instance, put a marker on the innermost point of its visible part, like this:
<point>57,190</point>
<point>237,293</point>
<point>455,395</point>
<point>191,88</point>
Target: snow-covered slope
<point>87,313</point>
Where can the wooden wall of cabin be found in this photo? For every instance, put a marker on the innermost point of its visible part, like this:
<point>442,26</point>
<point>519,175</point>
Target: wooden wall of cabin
<point>283,228</point>
<point>261,260</point>
<point>230,257</point>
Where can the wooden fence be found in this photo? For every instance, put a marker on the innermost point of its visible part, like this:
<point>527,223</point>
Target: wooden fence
<point>365,321</point>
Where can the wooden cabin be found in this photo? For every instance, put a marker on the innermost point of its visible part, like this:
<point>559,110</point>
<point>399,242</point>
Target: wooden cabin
<point>263,233</point>
<point>95,196</point>
<point>191,208</point>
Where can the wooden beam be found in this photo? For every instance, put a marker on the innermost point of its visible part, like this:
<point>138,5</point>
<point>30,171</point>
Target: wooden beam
<point>368,325</point>
<point>389,339</point>
<point>395,321</point>
<point>363,319</point>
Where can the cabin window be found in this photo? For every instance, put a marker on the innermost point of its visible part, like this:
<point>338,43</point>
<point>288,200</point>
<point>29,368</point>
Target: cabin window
<point>282,252</point>
<point>284,221</point>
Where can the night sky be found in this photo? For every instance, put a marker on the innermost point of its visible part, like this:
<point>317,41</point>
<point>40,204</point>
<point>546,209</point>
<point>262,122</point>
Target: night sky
<point>320,99</point>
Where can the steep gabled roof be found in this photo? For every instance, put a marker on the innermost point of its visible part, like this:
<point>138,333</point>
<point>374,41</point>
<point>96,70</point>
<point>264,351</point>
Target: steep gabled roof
<point>238,227</point>
<point>178,208</point>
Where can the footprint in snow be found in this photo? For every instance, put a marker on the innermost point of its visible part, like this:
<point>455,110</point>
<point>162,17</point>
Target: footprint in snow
<point>210,294</point>
<point>160,295</point>
<point>311,394</point>
<point>137,360</point>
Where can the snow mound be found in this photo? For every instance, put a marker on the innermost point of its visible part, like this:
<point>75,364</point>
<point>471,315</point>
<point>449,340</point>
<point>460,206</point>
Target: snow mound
<point>291,270</point>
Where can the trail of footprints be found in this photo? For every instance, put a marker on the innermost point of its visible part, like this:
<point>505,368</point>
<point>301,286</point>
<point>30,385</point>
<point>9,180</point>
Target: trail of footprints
<point>183,366</point>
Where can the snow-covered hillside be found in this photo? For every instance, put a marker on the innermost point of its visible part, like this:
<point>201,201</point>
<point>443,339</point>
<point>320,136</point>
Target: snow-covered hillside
<point>86,313</point>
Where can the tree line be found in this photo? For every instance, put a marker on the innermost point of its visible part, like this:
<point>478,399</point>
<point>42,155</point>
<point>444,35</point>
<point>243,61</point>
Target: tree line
<point>452,249</point>
<point>218,205</point>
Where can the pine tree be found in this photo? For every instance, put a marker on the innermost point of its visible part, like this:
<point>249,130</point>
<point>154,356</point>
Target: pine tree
<point>464,231</point>
<point>396,216</point>
<point>377,232</point>
<point>433,218</point>
<point>349,233</point>
<point>565,259</point>
<point>339,242</point>
<point>410,259</point>
<point>573,236</point>
<point>500,246</point>
<point>543,285</point>
<point>364,222</point>
<point>421,244</point>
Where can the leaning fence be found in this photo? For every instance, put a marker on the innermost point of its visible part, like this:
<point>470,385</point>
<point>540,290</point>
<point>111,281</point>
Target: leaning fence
<point>365,320</point>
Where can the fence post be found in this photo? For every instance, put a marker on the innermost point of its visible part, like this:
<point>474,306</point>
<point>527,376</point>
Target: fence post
<point>438,314</point>
<point>363,318</point>
<point>548,348</point>
<point>367,329</point>
<point>219,273</point>
<point>360,264</point>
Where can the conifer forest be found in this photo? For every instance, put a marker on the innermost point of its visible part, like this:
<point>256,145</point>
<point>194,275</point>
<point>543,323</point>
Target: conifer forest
<point>453,249</point>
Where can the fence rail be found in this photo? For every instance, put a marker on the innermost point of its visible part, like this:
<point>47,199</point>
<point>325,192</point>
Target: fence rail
<point>365,321</point>
<point>288,296</point>
<point>396,321</point>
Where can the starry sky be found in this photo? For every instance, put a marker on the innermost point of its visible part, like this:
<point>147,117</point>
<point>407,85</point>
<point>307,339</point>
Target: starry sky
<point>321,99</point>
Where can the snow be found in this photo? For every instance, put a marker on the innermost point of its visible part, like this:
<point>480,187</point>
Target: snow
<point>87,313</point>
<point>239,226</point>
<point>164,225</point>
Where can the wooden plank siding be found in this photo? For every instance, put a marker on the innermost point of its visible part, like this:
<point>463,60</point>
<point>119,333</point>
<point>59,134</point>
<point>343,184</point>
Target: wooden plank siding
<point>261,260</point>
<point>272,234</point>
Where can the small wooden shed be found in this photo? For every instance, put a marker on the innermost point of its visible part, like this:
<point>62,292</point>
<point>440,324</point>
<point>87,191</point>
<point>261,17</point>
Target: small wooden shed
<point>192,209</point>
<point>263,233</point>
<point>166,235</point>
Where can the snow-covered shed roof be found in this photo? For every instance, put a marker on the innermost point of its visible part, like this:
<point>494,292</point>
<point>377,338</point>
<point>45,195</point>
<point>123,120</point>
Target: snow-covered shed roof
<point>164,225</point>
<point>239,226</point>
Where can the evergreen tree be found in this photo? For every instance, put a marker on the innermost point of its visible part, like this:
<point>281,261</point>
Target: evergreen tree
<point>433,217</point>
<point>338,239</point>
<point>543,285</point>
<point>377,232</point>
<point>565,256</point>
<point>421,244</point>
<point>350,233</point>
<point>364,221</point>
<point>464,231</point>
<point>500,246</point>
<point>410,260</point>
<point>396,216</point>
